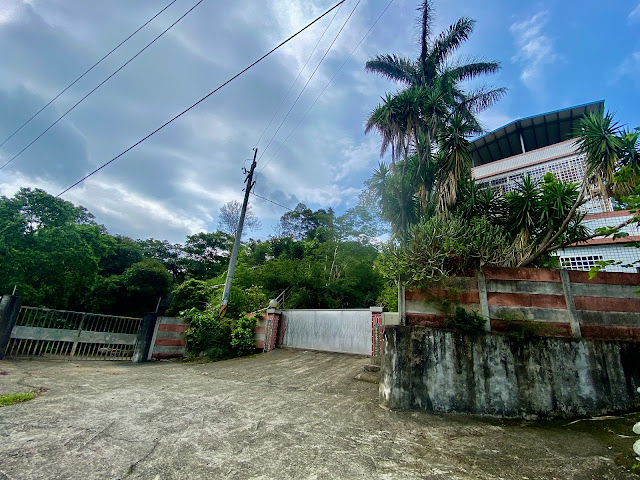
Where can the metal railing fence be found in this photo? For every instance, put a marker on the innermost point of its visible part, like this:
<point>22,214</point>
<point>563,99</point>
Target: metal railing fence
<point>48,332</point>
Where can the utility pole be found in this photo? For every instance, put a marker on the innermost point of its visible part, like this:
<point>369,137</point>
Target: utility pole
<point>236,244</point>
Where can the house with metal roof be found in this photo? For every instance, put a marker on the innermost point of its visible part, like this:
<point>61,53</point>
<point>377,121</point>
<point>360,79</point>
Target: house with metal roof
<point>545,143</point>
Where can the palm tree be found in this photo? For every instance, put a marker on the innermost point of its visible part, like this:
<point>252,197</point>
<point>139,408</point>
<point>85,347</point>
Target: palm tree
<point>431,102</point>
<point>454,159</point>
<point>434,63</point>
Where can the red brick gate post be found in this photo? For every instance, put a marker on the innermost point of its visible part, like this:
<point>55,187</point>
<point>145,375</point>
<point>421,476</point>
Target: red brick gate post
<point>376,331</point>
<point>271,329</point>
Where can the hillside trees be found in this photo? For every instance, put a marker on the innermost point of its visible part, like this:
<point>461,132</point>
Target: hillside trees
<point>56,256</point>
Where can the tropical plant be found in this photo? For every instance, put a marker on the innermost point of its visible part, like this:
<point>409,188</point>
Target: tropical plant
<point>612,157</point>
<point>433,113</point>
<point>446,245</point>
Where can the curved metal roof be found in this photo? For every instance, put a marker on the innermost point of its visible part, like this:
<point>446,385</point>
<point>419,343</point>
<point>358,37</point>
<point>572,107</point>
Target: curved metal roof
<point>531,132</point>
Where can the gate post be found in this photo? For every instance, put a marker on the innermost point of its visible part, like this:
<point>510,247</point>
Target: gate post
<point>9,310</point>
<point>376,331</point>
<point>271,330</point>
<point>143,343</point>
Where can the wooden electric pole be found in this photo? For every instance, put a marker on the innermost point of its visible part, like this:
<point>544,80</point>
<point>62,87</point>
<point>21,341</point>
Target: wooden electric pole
<point>236,244</point>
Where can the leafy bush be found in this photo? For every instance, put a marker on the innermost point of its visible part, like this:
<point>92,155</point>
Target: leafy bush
<point>243,335</point>
<point>208,334</point>
<point>191,294</point>
<point>446,246</point>
<point>466,322</point>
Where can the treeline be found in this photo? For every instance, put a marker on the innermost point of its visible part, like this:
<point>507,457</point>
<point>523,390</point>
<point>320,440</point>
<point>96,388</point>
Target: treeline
<point>57,256</point>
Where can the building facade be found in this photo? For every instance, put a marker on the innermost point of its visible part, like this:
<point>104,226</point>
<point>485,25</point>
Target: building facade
<point>536,145</point>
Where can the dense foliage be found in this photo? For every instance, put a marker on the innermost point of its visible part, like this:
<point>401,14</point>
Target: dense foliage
<point>242,335</point>
<point>57,256</point>
<point>208,334</point>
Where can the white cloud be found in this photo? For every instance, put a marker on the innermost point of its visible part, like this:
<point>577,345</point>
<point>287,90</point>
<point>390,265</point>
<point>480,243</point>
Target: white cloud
<point>174,184</point>
<point>635,13</point>
<point>535,48</point>
<point>9,11</point>
<point>356,158</point>
<point>630,66</point>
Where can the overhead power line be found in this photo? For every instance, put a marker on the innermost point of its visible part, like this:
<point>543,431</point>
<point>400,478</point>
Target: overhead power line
<point>99,85</point>
<point>309,79</point>
<point>203,98</point>
<point>87,71</point>
<point>275,203</point>
<point>327,85</point>
<point>296,79</point>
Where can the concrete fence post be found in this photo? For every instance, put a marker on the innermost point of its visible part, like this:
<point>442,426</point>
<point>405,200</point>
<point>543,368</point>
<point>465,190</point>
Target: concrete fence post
<point>143,343</point>
<point>402,302</point>
<point>9,310</point>
<point>571,306</point>
<point>484,302</point>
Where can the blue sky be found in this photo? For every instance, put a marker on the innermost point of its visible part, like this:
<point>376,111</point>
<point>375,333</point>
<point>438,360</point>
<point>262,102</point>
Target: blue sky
<point>554,54</point>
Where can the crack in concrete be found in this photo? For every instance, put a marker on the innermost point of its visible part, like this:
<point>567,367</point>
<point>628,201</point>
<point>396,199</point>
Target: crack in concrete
<point>133,466</point>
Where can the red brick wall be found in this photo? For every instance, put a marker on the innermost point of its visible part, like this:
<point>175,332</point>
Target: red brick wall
<point>605,307</point>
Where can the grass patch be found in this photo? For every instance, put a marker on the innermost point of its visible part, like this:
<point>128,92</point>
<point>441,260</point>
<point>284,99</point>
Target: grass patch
<point>14,398</point>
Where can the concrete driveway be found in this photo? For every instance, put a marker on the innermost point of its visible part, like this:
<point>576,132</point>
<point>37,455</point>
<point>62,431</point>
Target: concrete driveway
<point>286,414</point>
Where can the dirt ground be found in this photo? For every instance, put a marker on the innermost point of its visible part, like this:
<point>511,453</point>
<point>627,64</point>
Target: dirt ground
<point>286,414</point>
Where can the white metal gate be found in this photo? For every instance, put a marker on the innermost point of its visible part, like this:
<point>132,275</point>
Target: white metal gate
<point>343,331</point>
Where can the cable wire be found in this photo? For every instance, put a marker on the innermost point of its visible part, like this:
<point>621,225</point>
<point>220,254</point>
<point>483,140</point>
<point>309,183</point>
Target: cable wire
<point>100,84</point>
<point>203,98</point>
<point>90,68</point>
<point>309,79</point>
<point>327,85</point>
<point>275,203</point>
<point>296,79</point>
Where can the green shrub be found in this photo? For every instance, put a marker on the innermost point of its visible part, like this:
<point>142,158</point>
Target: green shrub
<point>191,294</point>
<point>208,334</point>
<point>466,322</point>
<point>243,335</point>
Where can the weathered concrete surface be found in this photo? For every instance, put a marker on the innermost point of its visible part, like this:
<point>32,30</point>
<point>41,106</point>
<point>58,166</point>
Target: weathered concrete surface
<point>443,371</point>
<point>285,414</point>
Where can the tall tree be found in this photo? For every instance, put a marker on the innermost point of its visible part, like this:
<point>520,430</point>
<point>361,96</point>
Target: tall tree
<point>230,216</point>
<point>206,255</point>
<point>432,113</point>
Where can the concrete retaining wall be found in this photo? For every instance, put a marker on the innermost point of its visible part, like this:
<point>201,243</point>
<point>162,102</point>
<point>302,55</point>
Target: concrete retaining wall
<point>168,338</point>
<point>564,303</point>
<point>439,370</point>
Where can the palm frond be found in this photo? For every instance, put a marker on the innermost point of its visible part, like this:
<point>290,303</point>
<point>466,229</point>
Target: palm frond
<point>482,98</point>
<point>393,67</point>
<point>469,71</point>
<point>451,39</point>
<point>597,137</point>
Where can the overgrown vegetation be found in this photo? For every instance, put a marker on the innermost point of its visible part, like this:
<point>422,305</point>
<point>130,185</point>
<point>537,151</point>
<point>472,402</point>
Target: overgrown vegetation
<point>57,256</point>
<point>243,335</point>
<point>208,334</point>
<point>218,338</point>
<point>466,322</point>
